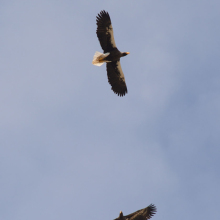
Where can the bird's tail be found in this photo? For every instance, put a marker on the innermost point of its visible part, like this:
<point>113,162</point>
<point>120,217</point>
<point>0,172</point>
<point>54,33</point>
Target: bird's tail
<point>98,58</point>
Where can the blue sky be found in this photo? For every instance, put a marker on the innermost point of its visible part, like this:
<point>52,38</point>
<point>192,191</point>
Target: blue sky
<point>72,149</point>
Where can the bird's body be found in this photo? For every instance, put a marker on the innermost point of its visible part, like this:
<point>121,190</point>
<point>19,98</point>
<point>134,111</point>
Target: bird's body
<point>111,54</point>
<point>115,55</point>
<point>142,214</point>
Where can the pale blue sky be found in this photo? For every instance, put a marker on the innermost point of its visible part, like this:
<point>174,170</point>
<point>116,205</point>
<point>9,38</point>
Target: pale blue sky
<point>72,149</point>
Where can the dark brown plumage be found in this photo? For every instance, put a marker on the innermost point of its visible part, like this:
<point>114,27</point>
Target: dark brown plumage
<point>111,54</point>
<point>142,214</point>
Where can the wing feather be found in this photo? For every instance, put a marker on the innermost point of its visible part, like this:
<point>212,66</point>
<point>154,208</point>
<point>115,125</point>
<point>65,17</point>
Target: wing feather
<point>116,78</point>
<point>105,31</point>
<point>142,214</point>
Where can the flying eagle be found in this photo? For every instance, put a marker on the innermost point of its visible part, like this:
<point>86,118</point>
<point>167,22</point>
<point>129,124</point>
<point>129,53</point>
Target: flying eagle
<point>111,54</point>
<point>142,214</point>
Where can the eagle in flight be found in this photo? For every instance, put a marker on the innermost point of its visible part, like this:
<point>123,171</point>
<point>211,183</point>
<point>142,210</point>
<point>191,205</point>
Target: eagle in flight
<point>142,214</point>
<point>111,55</point>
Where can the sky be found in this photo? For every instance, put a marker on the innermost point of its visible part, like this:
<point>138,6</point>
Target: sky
<point>72,149</point>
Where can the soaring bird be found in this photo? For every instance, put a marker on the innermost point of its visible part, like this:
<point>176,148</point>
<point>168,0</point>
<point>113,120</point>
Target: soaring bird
<point>142,214</point>
<point>111,55</point>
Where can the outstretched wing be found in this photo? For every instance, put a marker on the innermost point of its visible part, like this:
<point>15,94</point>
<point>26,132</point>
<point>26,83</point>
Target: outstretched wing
<point>105,31</point>
<point>116,78</point>
<point>142,214</point>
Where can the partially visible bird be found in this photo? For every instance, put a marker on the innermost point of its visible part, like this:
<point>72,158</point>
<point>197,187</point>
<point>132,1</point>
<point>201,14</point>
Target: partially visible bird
<point>142,214</point>
<point>111,54</point>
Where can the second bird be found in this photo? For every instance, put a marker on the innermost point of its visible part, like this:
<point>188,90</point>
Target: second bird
<point>111,54</point>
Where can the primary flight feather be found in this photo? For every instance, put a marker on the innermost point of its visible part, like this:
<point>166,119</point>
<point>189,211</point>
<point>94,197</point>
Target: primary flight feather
<point>111,54</point>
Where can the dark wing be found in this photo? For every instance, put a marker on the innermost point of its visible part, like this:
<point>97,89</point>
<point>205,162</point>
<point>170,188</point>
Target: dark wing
<point>116,78</point>
<point>105,31</point>
<point>143,214</point>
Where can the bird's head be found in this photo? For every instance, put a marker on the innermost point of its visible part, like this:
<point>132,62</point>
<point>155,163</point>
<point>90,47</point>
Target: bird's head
<point>125,54</point>
<point>121,215</point>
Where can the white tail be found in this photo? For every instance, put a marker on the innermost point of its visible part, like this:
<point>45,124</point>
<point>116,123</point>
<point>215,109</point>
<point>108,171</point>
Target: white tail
<point>98,58</point>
